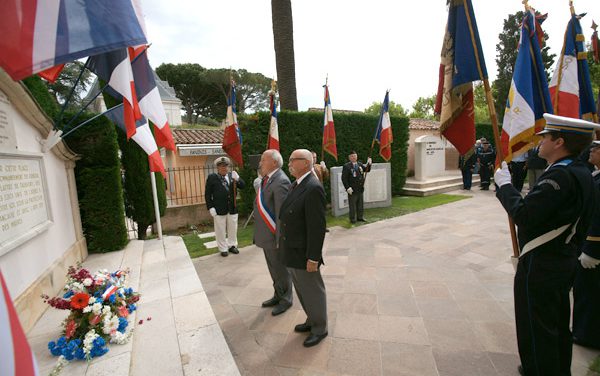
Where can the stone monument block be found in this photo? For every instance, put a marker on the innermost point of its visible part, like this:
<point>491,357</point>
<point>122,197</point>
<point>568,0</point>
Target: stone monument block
<point>430,157</point>
<point>378,189</point>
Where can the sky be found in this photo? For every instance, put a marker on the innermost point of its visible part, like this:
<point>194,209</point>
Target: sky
<point>363,47</point>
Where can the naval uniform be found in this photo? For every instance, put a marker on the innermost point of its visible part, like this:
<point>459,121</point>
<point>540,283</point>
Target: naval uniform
<point>586,289</point>
<point>552,222</point>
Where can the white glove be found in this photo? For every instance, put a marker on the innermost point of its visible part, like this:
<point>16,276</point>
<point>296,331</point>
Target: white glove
<point>213,212</point>
<point>323,164</point>
<point>369,161</point>
<point>235,175</point>
<point>588,262</point>
<point>502,175</point>
<point>349,190</point>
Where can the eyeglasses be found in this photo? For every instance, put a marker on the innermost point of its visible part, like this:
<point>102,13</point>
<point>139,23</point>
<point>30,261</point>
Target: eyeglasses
<point>298,159</point>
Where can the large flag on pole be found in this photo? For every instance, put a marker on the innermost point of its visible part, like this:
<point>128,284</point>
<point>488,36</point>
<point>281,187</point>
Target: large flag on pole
<point>37,35</point>
<point>232,138</point>
<point>383,133</point>
<point>528,96</point>
<point>143,137</point>
<point>571,87</point>
<point>329,141</point>
<point>273,142</point>
<point>115,68</point>
<point>16,357</point>
<point>462,63</point>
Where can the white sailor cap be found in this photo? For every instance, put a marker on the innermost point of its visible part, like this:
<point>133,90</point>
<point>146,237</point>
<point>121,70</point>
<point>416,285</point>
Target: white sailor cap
<point>595,143</point>
<point>555,123</point>
<point>222,161</point>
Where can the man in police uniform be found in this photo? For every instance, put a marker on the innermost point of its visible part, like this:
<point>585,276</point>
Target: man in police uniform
<point>220,193</point>
<point>353,178</point>
<point>586,289</point>
<point>552,222</point>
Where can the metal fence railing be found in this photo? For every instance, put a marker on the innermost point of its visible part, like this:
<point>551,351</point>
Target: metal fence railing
<point>185,185</point>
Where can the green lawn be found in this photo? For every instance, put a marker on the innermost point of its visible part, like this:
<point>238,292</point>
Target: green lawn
<point>401,205</point>
<point>595,366</point>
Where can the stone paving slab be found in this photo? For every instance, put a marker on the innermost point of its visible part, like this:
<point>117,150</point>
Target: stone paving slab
<point>429,293</point>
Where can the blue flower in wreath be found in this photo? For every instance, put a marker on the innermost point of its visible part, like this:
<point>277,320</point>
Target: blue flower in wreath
<point>131,308</point>
<point>68,294</point>
<point>122,324</point>
<point>113,298</point>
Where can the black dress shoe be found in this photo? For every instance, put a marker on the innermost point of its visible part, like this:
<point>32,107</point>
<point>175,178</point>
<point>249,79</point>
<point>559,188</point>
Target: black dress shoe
<point>280,308</point>
<point>520,369</point>
<point>362,220</point>
<point>271,302</point>
<point>234,250</point>
<point>224,253</point>
<point>314,339</point>
<point>302,328</point>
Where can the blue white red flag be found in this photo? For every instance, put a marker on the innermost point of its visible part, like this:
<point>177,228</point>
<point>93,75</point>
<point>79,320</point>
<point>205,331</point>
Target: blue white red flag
<point>232,137</point>
<point>329,140</point>
<point>571,87</point>
<point>273,142</point>
<point>528,97</point>
<point>143,137</point>
<point>111,289</point>
<point>40,34</point>
<point>16,357</point>
<point>115,68</point>
<point>267,216</point>
<point>383,133</point>
<point>462,63</point>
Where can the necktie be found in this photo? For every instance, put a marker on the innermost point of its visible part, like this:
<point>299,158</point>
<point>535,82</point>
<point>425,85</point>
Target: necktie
<point>265,179</point>
<point>294,184</point>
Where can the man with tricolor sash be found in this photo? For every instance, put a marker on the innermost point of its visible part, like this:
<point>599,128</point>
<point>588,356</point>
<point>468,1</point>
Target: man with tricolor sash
<point>271,189</point>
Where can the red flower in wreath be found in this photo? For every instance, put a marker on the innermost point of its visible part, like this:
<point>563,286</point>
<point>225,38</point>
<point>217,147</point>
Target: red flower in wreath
<point>70,328</point>
<point>80,300</point>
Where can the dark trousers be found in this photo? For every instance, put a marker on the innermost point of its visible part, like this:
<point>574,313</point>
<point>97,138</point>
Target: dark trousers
<point>310,289</point>
<point>485,175</point>
<point>586,307</point>
<point>518,173</point>
<point>281,277</point>
<point>467,177</point>
<point>542,313</point>
<point>355,202</point>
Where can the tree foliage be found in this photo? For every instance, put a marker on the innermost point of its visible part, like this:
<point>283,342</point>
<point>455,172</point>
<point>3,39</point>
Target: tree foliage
<point>394,109</point>
<point>423,108</point>
<point>203,92</point>
<point>283,42</point>
<point>63,85</point>
<point>507,49</point>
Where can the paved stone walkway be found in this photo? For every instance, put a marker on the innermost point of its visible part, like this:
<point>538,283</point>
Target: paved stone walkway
<point>428,293</point>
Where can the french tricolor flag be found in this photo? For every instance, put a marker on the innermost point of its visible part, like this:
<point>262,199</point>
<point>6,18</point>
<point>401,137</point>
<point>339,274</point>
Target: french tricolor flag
<point>383,133</point>
<point>37,35</point>
<point>115,68</point>
<point>273,142</point>
<point>109,291</point>
<point>16,357</point>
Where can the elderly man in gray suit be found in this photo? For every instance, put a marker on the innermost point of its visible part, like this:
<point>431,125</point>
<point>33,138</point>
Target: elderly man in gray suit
<point>271,188</point>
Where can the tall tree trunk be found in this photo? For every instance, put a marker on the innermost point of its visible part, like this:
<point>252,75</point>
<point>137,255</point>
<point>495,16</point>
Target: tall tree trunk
<point>283,40</point>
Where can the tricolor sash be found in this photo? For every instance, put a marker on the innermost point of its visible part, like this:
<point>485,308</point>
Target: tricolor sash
<point>265,214</point>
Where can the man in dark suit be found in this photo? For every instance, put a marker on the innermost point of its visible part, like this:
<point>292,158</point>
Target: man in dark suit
<point>220,193</point>
<point>353,178</point>
<point>301,239</point>
<point>552,221</point>
<point>271,189</point>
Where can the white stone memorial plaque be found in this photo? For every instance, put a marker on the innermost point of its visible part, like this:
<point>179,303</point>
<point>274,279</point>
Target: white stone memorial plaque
<point>375,186</point>
<point>342,194</point>
<point>24,210</point>
<point>8,139</point>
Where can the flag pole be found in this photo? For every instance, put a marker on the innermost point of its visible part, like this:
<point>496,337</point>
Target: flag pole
<point>494,118</point>
<point>325,110</point>
<point>156,207</point>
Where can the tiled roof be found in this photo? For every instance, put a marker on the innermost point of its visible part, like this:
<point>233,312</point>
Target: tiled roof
<point>197,136</point>
<point>423,124</point>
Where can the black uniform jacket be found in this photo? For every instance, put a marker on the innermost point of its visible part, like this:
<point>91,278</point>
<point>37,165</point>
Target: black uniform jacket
<point>564,194</point>
<point>219,195</point>
<point>591,246</point>
<point>302,230</point>
<point>355,178</point>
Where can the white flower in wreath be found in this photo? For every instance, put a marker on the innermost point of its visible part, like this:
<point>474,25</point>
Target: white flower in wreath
<point>87,309</point>
<point>76,286</point>
<point>92,300</point>
<point>97,308</point>
<point>106,310</point>
<point>111,325</point>
<point>87,282</point>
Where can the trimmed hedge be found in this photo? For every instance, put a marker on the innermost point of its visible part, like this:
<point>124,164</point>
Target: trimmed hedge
<point>40,93</point>
<point>304,130</point>
<point>98,176</point>
<point>486,130</point>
